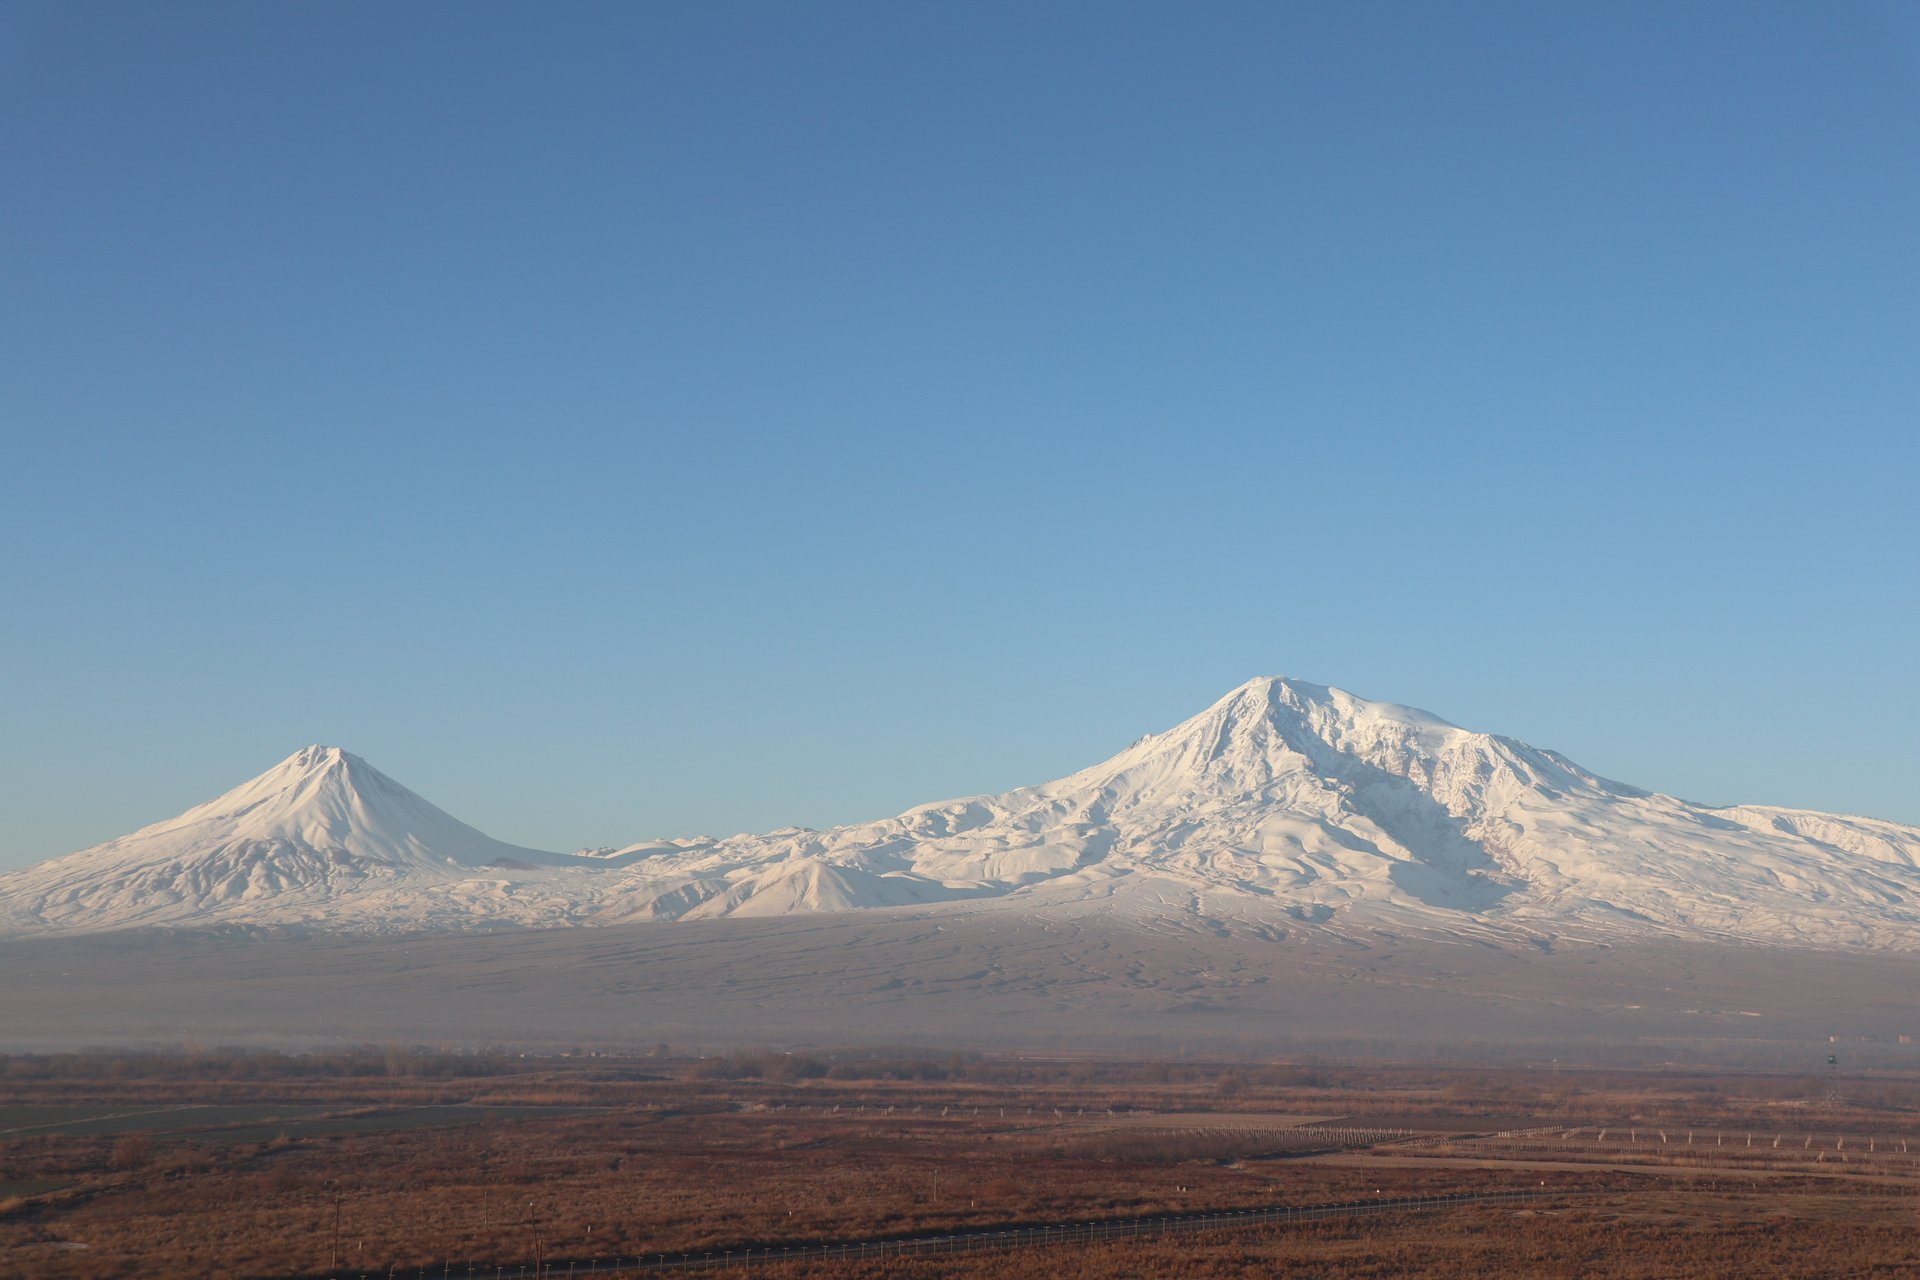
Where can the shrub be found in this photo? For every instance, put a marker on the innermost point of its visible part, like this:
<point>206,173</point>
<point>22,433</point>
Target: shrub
<point>132,1151</point>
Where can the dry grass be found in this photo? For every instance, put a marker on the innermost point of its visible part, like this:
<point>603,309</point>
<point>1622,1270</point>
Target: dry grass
<point>1642,1237</point>
<point>692,1155</point>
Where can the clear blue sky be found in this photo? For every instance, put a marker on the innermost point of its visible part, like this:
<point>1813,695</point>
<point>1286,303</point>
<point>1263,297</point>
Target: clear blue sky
<point>632,419</point>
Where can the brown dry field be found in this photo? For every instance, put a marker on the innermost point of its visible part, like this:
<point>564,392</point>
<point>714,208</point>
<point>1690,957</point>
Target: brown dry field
<point>429,1160</point>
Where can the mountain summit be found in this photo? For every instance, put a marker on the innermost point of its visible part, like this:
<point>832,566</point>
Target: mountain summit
<point>1293,801</point>
<point>1284,804</point>
<point>321,826</point>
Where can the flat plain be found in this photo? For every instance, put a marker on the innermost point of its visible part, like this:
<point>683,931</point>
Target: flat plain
<point>413,1162</point>
<point>1066,982</point>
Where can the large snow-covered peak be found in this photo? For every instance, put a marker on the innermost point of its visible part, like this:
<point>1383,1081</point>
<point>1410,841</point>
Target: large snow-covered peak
<point>1277,734</point>
<point>1281,713</point>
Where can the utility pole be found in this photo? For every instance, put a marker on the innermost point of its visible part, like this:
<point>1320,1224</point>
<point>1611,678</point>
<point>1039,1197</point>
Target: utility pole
<point>334,1264</point>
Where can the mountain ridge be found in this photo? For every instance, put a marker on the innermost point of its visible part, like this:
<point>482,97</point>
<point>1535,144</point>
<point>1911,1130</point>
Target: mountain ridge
<point>1300,801</point>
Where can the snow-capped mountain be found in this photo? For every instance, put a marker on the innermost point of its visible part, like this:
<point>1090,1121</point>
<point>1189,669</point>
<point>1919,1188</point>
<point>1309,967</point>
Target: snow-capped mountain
<point>1285,803</point>
<point>321,837</point>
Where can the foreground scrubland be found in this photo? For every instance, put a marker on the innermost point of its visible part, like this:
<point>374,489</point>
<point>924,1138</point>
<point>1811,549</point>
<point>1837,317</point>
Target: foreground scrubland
<point>262,1165</point>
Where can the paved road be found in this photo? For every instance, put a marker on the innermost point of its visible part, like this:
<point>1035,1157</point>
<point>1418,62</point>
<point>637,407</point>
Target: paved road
<point>1727,1171</point>
<point>958,1242</point>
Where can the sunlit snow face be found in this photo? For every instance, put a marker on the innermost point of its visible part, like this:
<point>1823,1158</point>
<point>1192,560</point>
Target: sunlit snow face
<point>1284,799</point>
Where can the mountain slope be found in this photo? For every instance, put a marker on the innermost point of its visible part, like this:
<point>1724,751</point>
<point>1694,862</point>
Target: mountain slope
<point>1309,803</point>
<point>320,827</point>
<point>1283,805</point>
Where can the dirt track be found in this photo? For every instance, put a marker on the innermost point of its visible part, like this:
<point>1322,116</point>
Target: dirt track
<point>1207,1120</point>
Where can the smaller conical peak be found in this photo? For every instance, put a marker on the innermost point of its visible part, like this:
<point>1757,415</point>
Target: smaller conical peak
<point>312,772</point>
<point>318,761</point>
<point>314,757</point>
<point>320,803</point>
<point>307,774</point>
